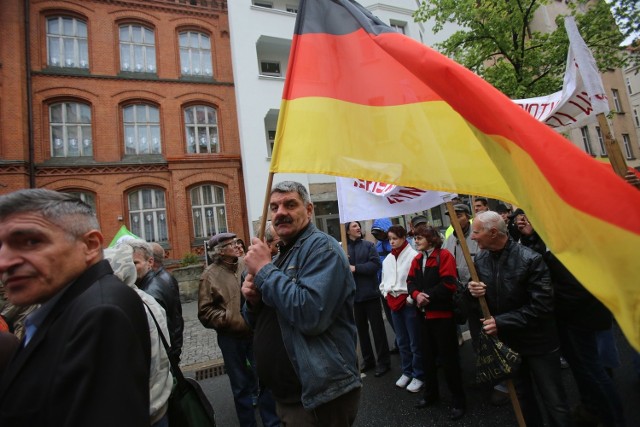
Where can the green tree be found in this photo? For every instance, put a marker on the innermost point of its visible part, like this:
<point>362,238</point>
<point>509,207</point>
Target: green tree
<point>496,41</point>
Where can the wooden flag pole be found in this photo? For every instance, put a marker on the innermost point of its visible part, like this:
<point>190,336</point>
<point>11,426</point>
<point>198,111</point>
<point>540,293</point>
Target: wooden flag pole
<point>267,197</point>
<point>483,302</point>
<point>343,238</point>
<point>616,158</point>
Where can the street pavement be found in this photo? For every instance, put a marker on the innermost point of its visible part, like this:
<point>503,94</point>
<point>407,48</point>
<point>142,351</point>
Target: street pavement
<point>382,404</point>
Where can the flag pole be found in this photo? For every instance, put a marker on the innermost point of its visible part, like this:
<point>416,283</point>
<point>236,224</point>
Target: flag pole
<point>616,158</point>
<point>267,197</point>
<point>483,302</point>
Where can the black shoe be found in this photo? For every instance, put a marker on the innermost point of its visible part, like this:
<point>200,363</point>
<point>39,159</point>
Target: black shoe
<point>456,413</point>
<point>367,368</point>
<point>381,370</point>
<point>423,403</point>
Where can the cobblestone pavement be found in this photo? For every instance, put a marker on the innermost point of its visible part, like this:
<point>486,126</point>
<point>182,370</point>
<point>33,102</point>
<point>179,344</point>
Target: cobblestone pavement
<point>200,345</point>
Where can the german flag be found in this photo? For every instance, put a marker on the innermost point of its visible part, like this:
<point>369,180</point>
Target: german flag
<point>363,101</point>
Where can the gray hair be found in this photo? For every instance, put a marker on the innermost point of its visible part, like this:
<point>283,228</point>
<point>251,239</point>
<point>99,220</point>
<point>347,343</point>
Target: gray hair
<point>268,232</point>
<point>293,186</point>
<point>491,219</point>
<point>64,210</point>
<point>139,245</point>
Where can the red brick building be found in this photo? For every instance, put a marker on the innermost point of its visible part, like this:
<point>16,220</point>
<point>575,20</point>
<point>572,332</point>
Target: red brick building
<point>131,105</point>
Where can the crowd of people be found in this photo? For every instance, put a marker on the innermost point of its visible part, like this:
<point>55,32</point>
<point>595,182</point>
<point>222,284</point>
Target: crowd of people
<point>289,312</point>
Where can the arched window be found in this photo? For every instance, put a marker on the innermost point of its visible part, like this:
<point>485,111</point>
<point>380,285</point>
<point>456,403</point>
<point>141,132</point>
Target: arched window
<point>201,129</point>
<point>141,129</point>
<point>208,211</point>
<point>148,214</point>
<point>195,54</point>
<point>88,198</point>
<point>67,44</point>
<point>70,129</point>
<point>137,49</point>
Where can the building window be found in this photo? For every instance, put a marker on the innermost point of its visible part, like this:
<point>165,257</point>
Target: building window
<point>586,140</point>
<point>603,148</point>
<point>270,68</point>
<point>208,211</point>
<point>293,8</point>
<point>70,130</point>
<point>137,49</point>
<point>148,215</point>
<point>400,27</point>
<point>141,129</point>
<point>616,100</point>
<point>88,198</point>
<point>271,138</point>
<point>201,123</point>
<point>636,117</point>
<point>626,141</point>
<point>195,54</point>
<point>67,42</point>
<point>629,89</point>
<point>262,3</point>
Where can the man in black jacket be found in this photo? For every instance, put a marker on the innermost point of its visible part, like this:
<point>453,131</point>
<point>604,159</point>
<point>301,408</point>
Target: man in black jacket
<point>161,291</point>
<point>517,287</point>
<point>85,357</point>
<point>365,263</point>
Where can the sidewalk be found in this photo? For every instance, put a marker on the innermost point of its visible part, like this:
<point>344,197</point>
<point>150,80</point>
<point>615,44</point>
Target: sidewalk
<point>200,347</point>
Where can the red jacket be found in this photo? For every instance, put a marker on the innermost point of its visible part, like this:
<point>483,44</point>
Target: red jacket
<point>437,282</point>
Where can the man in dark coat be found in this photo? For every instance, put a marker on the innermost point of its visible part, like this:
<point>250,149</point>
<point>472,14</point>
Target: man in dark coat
<point>161,291</point>
<point>85,357</point>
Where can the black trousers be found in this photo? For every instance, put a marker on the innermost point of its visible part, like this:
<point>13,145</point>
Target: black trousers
<point>370,313</point>
<point>439,341</point>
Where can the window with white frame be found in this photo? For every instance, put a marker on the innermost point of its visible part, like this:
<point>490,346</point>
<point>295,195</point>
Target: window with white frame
<point>271,139</point>
<point>603,148</point>
<point>88,198</point>
<point>270,68</point>
<point>201,129</point>
<point>636,117</point>
<point>67,44</point>
<point>137,49</point>
<point>141,129</point>
<point>629,89</point>
<point>195,54</point>
<point>70,130</point>
<point>616,100</point>
<point>148,214</point>
<point>263,3</point>
<point>399,26</point>
<point>586,140</point>
<point>208,211</point>
<point>626,141</point>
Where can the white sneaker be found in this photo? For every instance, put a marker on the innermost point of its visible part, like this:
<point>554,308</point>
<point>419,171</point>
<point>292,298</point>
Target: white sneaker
<point>415,386</point>
<point>403,381</point>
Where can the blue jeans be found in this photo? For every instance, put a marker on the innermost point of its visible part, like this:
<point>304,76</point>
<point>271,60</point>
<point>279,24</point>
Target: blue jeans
<point>597,390</point>
<point>408,339</point>
<point>240,367</point>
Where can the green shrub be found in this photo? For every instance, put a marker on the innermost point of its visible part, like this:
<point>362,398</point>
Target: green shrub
<point>190,259</point>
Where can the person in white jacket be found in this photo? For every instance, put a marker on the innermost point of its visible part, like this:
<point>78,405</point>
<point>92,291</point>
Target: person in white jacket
<point>160,377</point>
<point>393,287</point>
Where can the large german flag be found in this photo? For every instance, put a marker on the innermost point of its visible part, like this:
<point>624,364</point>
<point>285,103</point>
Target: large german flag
<point>364,101</point>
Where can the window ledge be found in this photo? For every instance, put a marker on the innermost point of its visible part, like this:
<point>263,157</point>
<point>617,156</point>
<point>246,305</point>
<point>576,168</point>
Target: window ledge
<point>267,77</point>
<point>67,71</point>
<point>137,76</point>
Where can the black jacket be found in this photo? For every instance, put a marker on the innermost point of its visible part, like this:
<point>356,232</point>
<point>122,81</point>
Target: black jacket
<point>161,287</point>
<point>520,298</point>
<point>363,255</point>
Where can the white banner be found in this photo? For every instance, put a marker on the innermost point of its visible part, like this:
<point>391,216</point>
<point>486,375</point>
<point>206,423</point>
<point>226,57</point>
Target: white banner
<point>361,200</point>
<point>582,95</point>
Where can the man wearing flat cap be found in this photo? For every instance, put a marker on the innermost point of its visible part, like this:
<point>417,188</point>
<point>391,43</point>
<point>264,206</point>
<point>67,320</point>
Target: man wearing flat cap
<point>219,307</point>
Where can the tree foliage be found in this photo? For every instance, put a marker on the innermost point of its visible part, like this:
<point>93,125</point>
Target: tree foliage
<point>496,40</point>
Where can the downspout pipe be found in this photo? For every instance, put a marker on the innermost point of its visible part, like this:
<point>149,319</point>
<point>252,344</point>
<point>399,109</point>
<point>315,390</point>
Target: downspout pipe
<point>27,50</point>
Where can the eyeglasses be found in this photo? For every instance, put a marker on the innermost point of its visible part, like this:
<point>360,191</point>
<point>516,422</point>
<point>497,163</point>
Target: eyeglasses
<point>234,242</point>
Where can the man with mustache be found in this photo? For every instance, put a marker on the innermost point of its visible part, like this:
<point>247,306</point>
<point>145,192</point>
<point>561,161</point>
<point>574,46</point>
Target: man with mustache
<point>85,357</point>
<point>301,307</point>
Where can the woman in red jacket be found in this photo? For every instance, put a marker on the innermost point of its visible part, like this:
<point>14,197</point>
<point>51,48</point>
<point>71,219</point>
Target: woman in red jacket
<point>431,283</point>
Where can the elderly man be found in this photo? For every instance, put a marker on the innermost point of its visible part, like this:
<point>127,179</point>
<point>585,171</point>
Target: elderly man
<point>161,291</point>
<point>301,306</point>
<point>219,308</point>
<point>517,287</point>
<point>85,357</point>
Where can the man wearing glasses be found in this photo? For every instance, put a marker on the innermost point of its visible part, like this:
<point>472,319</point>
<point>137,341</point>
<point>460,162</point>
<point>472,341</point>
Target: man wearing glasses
<point>219,304</point>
